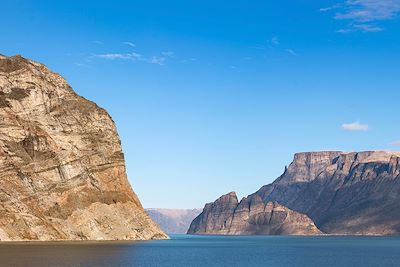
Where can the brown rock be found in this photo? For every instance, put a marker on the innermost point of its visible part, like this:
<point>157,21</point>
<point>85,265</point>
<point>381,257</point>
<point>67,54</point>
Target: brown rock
<point>353,193</point>
<point>62,167</point>
<point>255,218</point>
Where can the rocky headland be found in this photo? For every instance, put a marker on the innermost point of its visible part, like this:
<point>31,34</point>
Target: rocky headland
<point>226,216</point>
<point>62,167</point>
<point>355,193</point>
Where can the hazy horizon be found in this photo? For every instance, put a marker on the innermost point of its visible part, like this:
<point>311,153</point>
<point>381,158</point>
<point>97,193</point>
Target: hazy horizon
<point>210,98</point>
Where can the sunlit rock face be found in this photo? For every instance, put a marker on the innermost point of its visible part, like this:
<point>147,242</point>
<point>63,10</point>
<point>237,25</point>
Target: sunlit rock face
<point>229,217</point>
<point>342,193</point>
<point>62,167</point>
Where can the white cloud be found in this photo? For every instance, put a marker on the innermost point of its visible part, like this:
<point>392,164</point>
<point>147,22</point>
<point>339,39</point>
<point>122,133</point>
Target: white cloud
<point>362,27</point>
<point>113,56</point>
<point>364,14</point>
<point>355,126</point>
<point>326,9</point>
<point>395,143</point>
<point>156,60</point>
<point>369,10</point>
<point>345,30</point>
<point>275,40</point>
<point>129,44</point>
<point>291,51</point>
<point>368,27</point>
<point>98,42</point>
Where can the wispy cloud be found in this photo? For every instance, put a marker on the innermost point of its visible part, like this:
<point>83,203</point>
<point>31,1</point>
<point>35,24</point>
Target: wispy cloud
<point>364,15</point>
<point>113,56</point>
<point>362,27</point>
<point>329,8</point>
<point>274,40</point>
<point>369,10</point>
<point>367,27</point>
<point>355,126</point>
<point>347,30</point>
<point>291,51</point>
<point>158,60</point>
<point>97,42</point>
<point>129,44</point>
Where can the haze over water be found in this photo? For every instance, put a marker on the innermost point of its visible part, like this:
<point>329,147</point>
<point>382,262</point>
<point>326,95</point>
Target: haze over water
<point>210,251</point>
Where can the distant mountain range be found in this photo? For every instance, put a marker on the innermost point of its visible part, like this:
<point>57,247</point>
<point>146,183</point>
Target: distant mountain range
<point>355,193</point>
<point>173,221</point>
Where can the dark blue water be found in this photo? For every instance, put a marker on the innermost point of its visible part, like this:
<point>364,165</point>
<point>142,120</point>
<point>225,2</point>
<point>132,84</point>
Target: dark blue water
<point>210,251</point>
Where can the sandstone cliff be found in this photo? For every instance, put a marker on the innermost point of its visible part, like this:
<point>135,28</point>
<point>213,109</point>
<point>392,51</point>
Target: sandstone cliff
<point>62,168</point>
<point>173,221</point>
<point>227,216</point>
<point>343,193</point>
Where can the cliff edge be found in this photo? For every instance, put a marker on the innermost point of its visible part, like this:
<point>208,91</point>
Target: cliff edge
<point>62,167</point>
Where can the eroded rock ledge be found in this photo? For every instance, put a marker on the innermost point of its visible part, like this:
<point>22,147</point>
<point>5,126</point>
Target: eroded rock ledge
<point>62,169</point>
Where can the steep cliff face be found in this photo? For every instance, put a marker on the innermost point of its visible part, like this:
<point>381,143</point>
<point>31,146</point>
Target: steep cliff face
<point>343,193</point>
<point>215,215</point>
<point>355,193</point>
<point>227,216</point>
<point>62,168</point>
<point>173,221</point>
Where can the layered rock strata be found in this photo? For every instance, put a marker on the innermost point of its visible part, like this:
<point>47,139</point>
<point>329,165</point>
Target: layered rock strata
<point>226,216</point>
<point>62,170</point>
<point>354,193</point>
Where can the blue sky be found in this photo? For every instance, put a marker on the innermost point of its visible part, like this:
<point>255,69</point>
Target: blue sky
<point>211,97</point>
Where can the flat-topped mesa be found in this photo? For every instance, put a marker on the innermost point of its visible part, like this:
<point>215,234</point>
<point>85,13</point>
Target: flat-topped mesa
<point>375,156</point>
<point>62,166</point>
<point>342,192</point>
<point>307,166</point>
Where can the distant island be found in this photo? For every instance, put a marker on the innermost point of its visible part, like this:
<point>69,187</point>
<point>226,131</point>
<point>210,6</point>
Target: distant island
<point>339,193</point>
<point>62,166</point>
<point>173,221</point>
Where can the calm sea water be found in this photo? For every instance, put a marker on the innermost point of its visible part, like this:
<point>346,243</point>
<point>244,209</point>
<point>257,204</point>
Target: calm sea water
<point>210,251</point>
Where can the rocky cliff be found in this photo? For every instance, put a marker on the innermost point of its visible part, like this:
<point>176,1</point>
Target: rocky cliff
<point>227,216</point>
<point>62,168</point>
<point>343,193</point>
<point>173,221</point>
